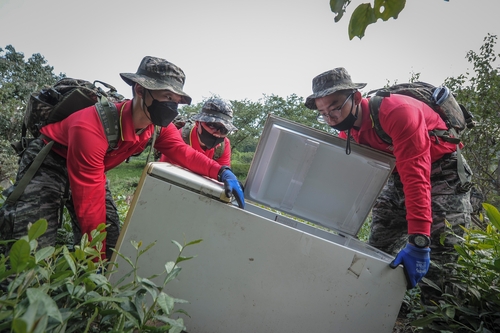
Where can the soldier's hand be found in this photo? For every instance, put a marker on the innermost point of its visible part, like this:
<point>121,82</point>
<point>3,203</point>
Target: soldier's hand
<point>415,261</point>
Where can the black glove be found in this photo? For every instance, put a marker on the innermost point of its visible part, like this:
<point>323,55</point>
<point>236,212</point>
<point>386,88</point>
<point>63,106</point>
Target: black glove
<point>232,186</point>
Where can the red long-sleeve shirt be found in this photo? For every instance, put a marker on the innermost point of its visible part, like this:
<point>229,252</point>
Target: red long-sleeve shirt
<point>224,159</point>
<point>87,159</point>
<point>408,122</point>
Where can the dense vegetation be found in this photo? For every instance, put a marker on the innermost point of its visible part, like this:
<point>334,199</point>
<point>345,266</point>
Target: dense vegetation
<point>475,308</point>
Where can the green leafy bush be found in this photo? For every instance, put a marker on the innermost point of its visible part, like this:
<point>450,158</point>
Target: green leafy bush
<point>476,305</point>
<point>55,290</point>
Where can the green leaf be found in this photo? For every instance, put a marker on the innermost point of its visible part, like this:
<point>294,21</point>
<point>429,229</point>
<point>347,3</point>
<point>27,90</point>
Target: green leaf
<point>19,325</point>
<point>79,254</point>
<point>35,317</point>
<point>170,276</point>
<point>183,312</point>
<point>44,253</point>
<point>450,312</point>
<point>98,279</point>
<point>431,284</point>
<point>180,300</point>
<point>425,321</point>
<point>461,251</point>
<point>69,259</point>
<point>496,263</point>
<point>180,259</point>
<point>493,215</point>
<point>37,229</point>
<point>127,259</point>
<point>169,266</point>
<point>50,307</point>
<point>178,245</point>
<point>179,323</point>
<point>104,299</point>
<point>166,303</point>
<point>19,255</point>
<point>338,7</point>
<point>139,303</point>
<point>385,9</point>
<point>91,320</point>
<point>362,16</point>
<point>150,286</point>
<point>194,242</point>
<point>147,248</point>
<point>98,238</point>
<point>135,244</point>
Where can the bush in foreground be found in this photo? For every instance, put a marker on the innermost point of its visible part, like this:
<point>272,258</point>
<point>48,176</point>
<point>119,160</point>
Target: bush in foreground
<point>55,290</point>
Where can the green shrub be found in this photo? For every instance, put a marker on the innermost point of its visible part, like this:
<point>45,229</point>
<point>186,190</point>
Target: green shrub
<point>240,170</point>
<point>476,305</point>
<point>54,290</point>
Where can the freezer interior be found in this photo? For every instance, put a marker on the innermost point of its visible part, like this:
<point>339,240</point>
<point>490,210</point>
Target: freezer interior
<point>307,174</point>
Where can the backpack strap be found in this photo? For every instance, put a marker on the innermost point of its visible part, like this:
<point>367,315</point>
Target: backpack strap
<point>21,186</point>
<point>374,104</point>
<point>109,118</point>
<point>219,150</point>
<point>187,128</point>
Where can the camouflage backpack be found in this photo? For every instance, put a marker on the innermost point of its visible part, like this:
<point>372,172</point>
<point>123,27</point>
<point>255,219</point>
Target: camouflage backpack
<point>66,96</point>
<point>53,104</point>
<point>187,125</point>
<point>442,101</point>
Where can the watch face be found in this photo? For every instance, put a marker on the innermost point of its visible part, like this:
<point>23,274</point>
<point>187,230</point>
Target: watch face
<point>421,241</point>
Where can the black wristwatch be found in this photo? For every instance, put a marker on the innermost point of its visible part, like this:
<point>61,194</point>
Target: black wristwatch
<point>221,170</point>
<point>419,240</point>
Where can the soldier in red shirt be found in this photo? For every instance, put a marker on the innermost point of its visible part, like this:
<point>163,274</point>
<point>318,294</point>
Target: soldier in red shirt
<point>81,157</point>
<point>207,131</point>
<point>409,215</point>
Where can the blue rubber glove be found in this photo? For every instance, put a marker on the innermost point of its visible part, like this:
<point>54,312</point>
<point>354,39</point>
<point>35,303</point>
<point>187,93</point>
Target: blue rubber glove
<point>415,261</point>
<point>232,186</point>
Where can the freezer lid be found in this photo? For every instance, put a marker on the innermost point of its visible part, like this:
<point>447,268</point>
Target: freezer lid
<point>306,173</point>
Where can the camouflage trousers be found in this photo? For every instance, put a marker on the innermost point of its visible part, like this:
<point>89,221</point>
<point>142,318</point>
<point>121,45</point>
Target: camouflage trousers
<point>389,226</point>
<point>44,197</point>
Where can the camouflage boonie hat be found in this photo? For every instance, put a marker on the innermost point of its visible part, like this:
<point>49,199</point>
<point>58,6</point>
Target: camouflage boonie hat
<point>216,110</point>
<point>330,82</point>
<point>159,74</point>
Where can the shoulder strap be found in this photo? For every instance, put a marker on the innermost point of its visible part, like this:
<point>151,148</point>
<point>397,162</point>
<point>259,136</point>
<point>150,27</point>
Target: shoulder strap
<point>109,118</point>
<point>186,132</point>
<point>219,150</point>
<point>374,104</point>
<point>12,198</point>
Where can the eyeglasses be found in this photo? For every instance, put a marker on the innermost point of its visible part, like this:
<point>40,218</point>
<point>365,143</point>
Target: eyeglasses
<point>322,118</point>
<point>218,127</point>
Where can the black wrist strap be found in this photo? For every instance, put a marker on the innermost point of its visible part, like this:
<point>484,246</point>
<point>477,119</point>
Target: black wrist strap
<point>222,169</point>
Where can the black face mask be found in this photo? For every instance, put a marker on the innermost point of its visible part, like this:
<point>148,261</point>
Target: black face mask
<point>348,122</point>
<point>208,139</point>
<point>161,113</point>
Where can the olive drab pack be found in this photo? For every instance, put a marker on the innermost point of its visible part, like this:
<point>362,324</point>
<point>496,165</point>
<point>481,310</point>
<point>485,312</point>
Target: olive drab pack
<point>440,99</point>
<point>456,117</point>
<point>66,96</point>
<point>53,104</point>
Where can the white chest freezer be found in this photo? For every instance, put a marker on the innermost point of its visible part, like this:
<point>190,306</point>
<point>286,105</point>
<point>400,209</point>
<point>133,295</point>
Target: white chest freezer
<point>289,262</point>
